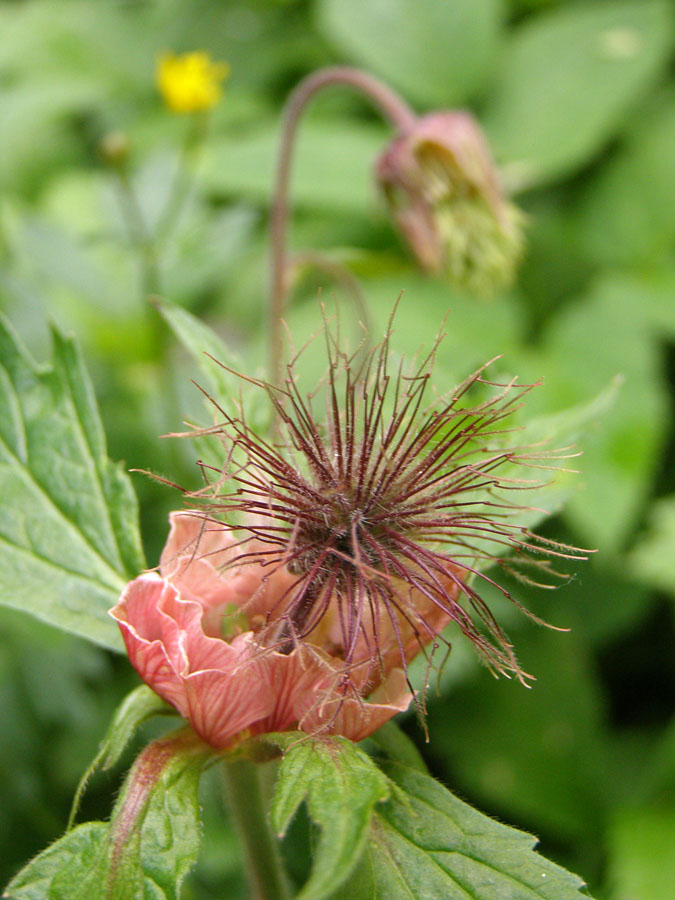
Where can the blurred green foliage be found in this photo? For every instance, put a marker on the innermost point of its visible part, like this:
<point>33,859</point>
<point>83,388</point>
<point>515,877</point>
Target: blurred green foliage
<point>576,100</point>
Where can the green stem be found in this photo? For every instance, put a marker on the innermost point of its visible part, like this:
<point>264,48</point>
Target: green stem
<point>184,177</point>
<point>139,233</point>
<point>249,811</point>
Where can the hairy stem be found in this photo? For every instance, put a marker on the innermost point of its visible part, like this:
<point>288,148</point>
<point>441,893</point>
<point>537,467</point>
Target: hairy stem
<point>389,104</point>
<point>249,811</point>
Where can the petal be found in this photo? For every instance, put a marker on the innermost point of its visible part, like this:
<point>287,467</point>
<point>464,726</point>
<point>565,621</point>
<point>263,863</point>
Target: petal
<point>290,678</point>
<point>137,616</point>
<point>217,686</point>
<point>352,717</point>
<point>207,566</point>
<point>195,651</point>
<point>191,535</point>
<point>222,704</point>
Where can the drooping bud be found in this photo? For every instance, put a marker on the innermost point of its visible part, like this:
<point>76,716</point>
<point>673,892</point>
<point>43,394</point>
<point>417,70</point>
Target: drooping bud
<point>443,191</point>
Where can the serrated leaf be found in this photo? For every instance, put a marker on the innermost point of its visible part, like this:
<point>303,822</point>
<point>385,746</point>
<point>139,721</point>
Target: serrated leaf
<point>80,851</point>
<point>567,79</point>
<point>425,844</point>
<point>437,53</point>
<point>69,535</point>
<point>398,746</point>
<point>341,786</point>
<point>148,847</point>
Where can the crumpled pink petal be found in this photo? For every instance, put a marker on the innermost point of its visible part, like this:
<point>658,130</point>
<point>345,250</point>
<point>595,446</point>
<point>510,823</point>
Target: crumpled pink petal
<point>205,564</point>
<point>210,682</point>
<point>232,688</point>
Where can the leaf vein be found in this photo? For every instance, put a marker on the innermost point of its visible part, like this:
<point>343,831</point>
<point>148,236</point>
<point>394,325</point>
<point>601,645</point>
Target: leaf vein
<point>59,512</point>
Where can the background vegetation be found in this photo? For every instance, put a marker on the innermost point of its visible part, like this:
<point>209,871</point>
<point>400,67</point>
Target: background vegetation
<point>576,100</point>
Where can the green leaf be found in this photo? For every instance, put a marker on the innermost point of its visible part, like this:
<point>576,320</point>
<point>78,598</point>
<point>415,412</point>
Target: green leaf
<point>653,559</point>
<point>656,288</point>
<point>79,851</point>
<point>69,535</point>
<point>147,849</point>
<point>232,393</point>
<point>554,480</point>
<point>206,347</point>
<point>398,746</point>
<point>341,786</point>
<point>627,213</point>
<point>604,334</point>
<point>136,708</point>
<point>476,332</point>
<point>565,429</point>
<point>516,742</point>
<point>424,843</point>
<point>567,80</point>
<point>436,53</point>
<point>332,166</point>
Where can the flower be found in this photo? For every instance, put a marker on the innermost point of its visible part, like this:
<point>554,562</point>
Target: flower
<point>191,633</point>
<point>443,192</point>
<point>386,514</point>
<point>190,82</point>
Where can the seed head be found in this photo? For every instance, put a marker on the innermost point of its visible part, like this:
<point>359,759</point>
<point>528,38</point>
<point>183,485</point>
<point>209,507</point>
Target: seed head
<point>385,504</point>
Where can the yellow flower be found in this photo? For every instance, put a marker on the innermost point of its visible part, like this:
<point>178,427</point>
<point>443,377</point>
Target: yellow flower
<point>190,82</point>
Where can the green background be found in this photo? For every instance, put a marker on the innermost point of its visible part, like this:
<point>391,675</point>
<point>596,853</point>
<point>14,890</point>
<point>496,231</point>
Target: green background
<point>576,101</point>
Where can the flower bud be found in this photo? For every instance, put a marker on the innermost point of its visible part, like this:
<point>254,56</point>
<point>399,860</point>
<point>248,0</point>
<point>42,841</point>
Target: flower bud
<point>114,148</point>
<point>443,191</point>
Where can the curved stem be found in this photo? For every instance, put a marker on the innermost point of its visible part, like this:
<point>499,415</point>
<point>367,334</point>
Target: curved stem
<point>392,107</point>
<point>248,808</point>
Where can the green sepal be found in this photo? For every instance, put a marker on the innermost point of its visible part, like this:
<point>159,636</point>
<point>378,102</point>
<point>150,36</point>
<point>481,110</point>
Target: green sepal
<point>147,848</point>
<point>341,786</point>
<point>138,706</point>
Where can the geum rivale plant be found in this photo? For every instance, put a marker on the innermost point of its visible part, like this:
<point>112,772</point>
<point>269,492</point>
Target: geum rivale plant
<point>293,593</point>
<point>340,537</point>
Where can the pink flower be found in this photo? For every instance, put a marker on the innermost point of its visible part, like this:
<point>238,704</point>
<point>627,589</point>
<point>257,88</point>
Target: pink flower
<point>192,631</point>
